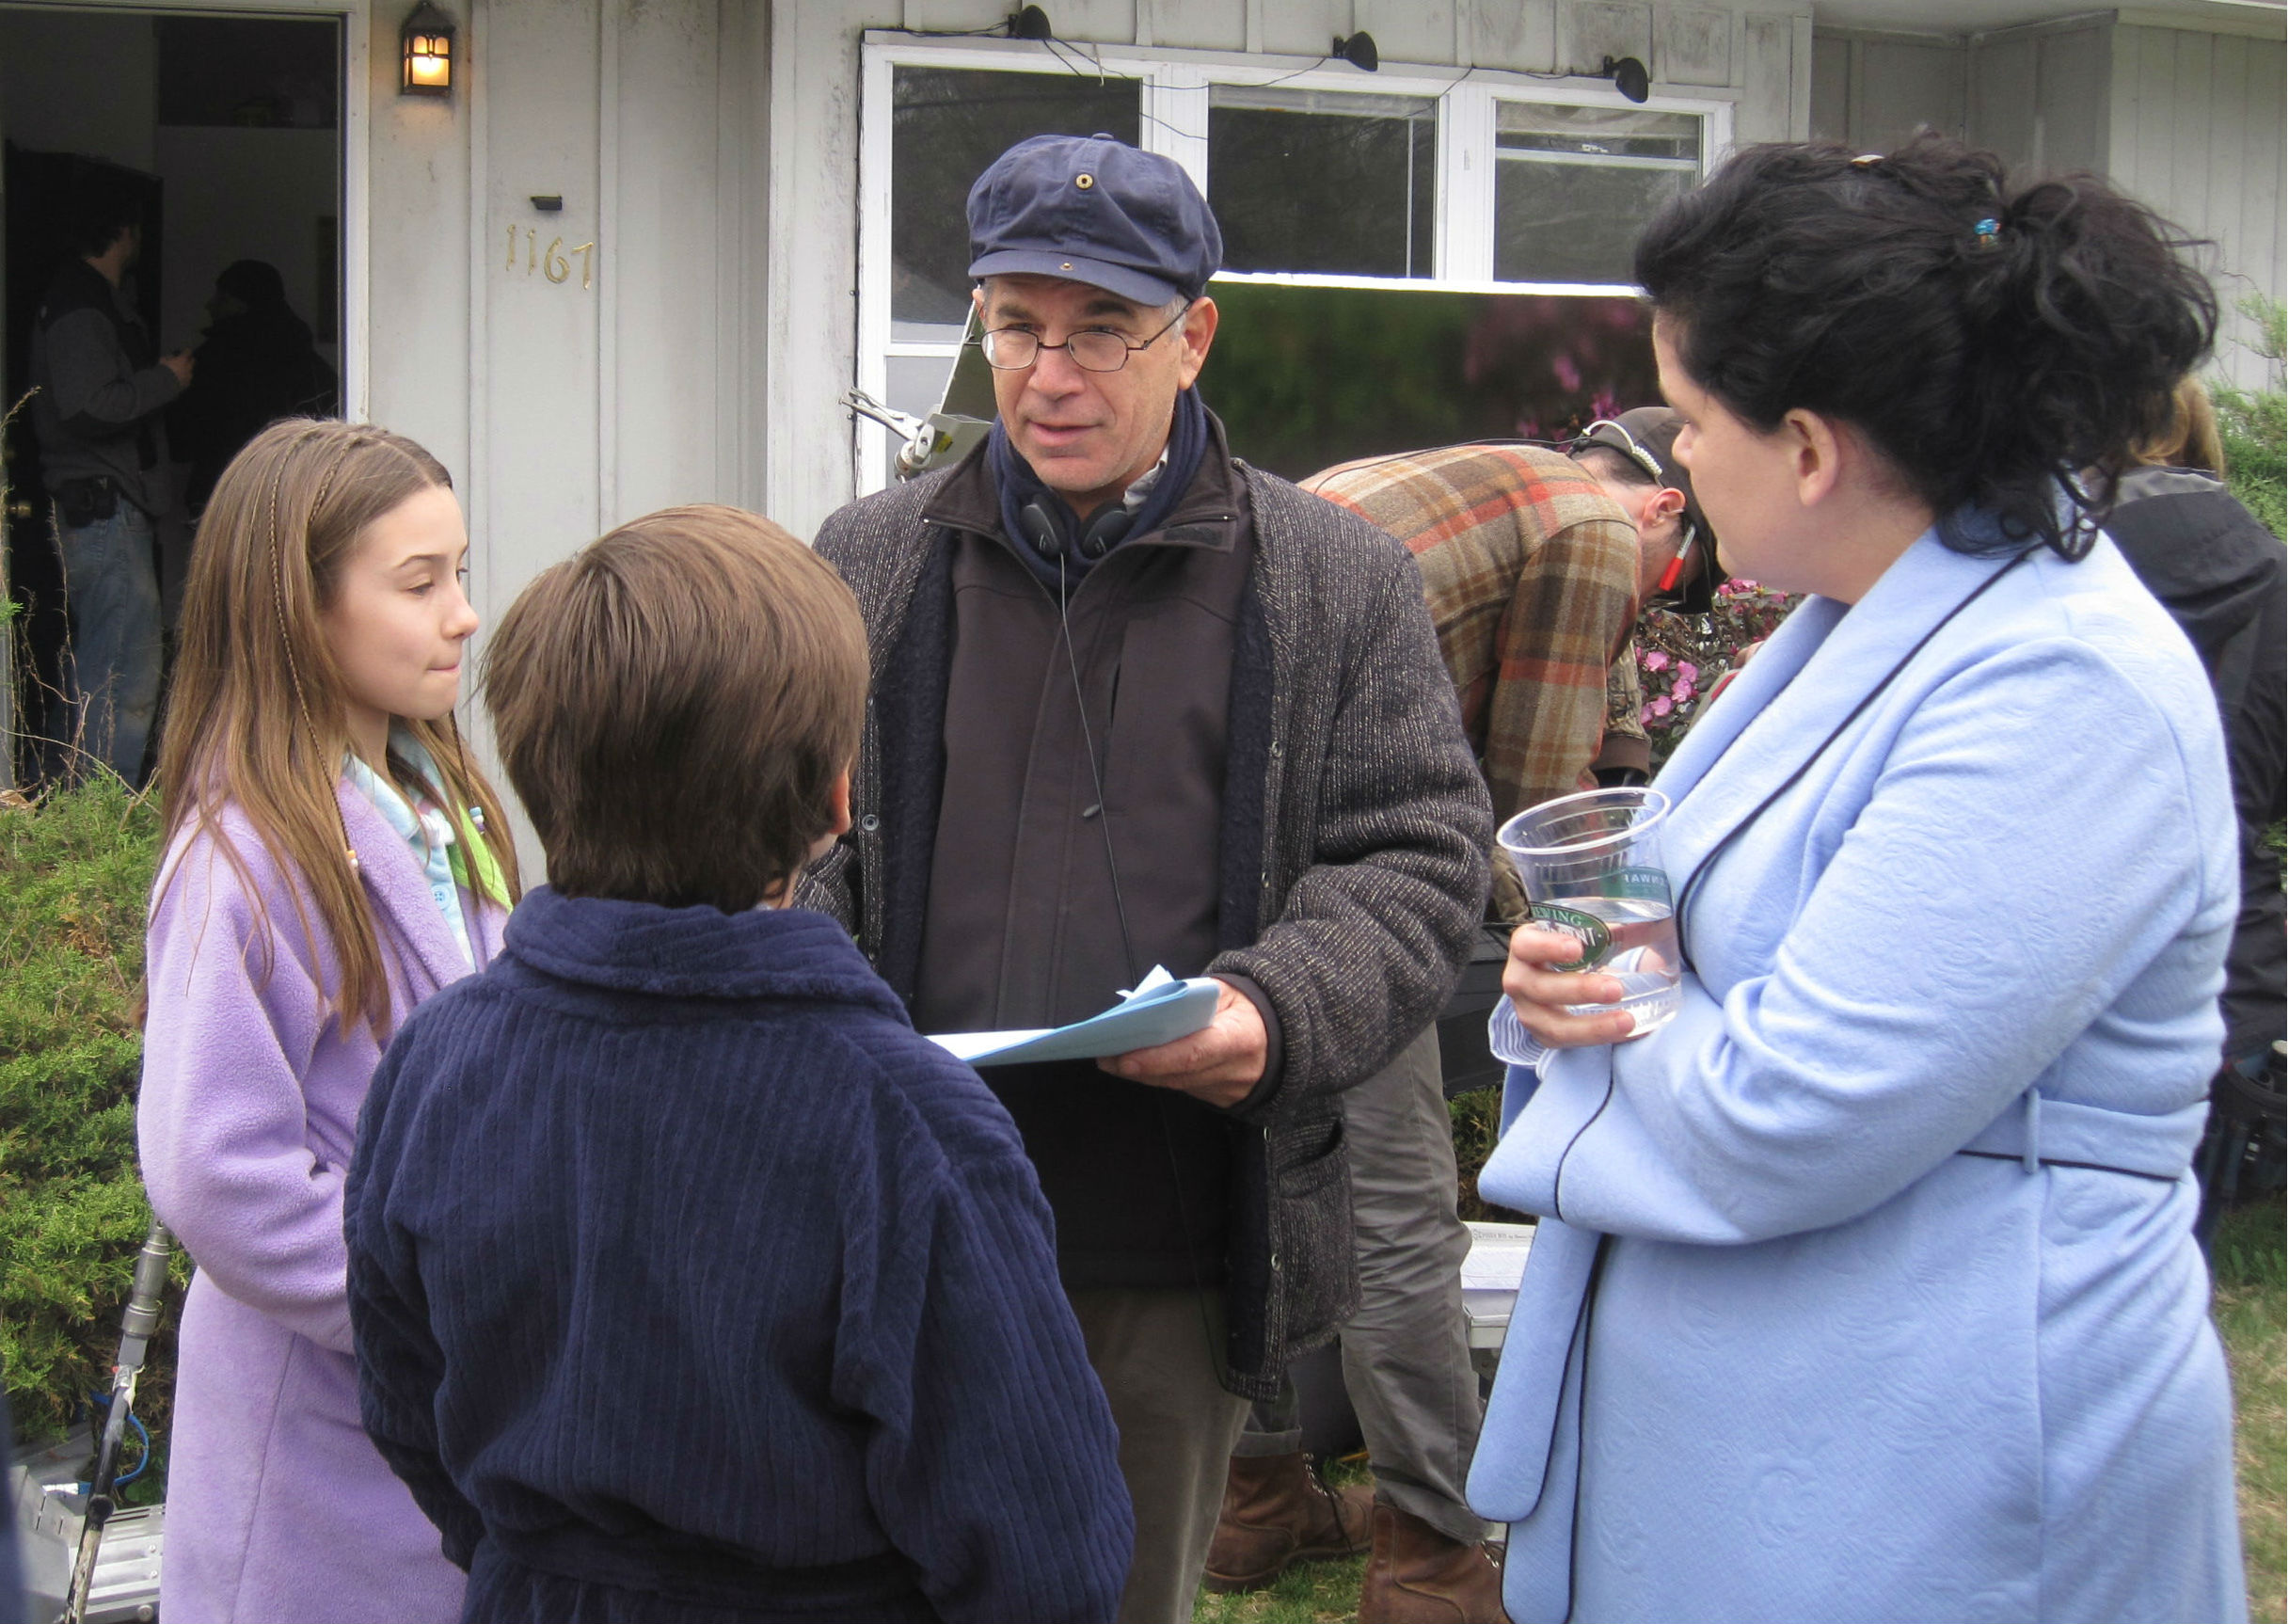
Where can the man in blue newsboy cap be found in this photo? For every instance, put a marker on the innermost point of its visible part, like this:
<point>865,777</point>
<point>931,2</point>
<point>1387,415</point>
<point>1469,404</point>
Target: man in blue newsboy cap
<point>1136,704</point>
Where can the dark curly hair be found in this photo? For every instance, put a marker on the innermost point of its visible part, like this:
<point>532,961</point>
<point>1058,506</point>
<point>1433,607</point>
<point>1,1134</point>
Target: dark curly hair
<point>1992,342</point>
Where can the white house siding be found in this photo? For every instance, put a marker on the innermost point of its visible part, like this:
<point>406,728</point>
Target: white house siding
<point>1873,89</point>
<point>565,407</point>
<point>2196,128</point>
<point>2189,120</point>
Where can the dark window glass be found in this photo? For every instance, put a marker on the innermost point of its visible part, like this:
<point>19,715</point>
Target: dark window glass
<point>1306,376</point>
<point>946,125</point>
<point>1315,180</point>
<point>1573,186</point>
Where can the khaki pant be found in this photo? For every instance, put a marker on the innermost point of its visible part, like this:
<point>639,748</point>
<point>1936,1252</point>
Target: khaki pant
<point>1158,1353</point>
<point>1406,1355</point>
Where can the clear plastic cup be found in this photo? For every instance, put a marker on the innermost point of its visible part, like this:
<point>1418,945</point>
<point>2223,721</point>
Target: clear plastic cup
<point>1591,864</point>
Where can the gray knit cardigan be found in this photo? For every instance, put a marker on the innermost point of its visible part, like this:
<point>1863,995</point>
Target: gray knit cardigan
<point>1351,885</point>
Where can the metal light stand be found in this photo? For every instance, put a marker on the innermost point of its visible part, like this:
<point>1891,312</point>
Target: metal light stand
<point>143,1307</point>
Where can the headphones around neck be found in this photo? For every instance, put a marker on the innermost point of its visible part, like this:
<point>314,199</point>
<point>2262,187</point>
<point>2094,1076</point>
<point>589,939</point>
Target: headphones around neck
<point>1045,530</point>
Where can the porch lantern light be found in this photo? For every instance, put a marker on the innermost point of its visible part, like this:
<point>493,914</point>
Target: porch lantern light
<point>428,39</point>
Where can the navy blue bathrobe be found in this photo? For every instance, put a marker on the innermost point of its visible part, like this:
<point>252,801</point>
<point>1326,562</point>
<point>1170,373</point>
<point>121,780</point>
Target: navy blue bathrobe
<point>688,1283</point>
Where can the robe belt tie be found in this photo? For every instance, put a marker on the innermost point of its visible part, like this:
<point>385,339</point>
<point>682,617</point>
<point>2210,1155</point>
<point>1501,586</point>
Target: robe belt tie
<point>2037,1132</point>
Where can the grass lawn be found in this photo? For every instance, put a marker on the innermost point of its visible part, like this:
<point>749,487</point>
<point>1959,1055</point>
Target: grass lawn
<point>2251,1266</point>
<point>2249,1255</point>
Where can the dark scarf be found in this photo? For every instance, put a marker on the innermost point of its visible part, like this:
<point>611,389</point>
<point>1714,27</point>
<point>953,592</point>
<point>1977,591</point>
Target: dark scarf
<point>1016,483</point>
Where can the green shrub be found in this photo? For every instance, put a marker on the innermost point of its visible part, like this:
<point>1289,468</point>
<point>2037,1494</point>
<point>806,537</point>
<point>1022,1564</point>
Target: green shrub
<point>2251,421</point>
<point>75,869</point>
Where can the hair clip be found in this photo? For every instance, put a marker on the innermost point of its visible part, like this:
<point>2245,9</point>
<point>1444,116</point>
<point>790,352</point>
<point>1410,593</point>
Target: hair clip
<point>1867,160</point>
<point>1986,230</point>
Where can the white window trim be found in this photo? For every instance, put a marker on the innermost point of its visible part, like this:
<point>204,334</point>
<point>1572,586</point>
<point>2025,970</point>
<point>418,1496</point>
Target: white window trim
<point>1173,122</point>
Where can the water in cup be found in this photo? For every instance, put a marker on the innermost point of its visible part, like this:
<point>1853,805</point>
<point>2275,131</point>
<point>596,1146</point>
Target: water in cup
<point>1591,866</point>
<point>1639,948</point>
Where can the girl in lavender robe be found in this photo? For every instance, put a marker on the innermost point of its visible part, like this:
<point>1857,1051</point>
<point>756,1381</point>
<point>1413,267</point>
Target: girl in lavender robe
<point>326,868</point>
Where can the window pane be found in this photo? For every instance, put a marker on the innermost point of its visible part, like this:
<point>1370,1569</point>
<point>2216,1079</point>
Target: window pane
<point>1318,181</point>
<point>946,125</point>
<point>1573,222</point>
<point>1608,132</point>
<point>1573,186</point>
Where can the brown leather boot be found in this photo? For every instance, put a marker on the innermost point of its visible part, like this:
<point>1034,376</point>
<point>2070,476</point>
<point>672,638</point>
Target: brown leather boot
<point>1419,1576</point>
<point>1278,1512</point>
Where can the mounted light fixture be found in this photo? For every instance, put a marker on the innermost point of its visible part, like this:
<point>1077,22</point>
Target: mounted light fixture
<point>1358,51</point>
<point>1629,77</point>
<point>1028,22</point>
<point>428,41</point>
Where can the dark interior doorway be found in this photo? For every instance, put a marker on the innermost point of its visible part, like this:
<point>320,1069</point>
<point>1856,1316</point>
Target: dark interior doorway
<point>228,128</point>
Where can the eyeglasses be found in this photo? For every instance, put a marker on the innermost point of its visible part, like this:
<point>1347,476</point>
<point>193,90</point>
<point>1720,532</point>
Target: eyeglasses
<point>1628,448</point>
<point>1094,350</point>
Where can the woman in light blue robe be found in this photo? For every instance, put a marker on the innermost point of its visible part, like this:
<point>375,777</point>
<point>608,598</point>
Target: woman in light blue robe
<point>1866,1290</point>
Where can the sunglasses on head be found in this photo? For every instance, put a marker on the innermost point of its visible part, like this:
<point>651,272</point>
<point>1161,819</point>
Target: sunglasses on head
<point>1628,447</point>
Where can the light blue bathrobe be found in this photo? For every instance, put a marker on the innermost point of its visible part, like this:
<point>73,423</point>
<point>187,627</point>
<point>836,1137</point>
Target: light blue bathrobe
<point>1826,1370</point>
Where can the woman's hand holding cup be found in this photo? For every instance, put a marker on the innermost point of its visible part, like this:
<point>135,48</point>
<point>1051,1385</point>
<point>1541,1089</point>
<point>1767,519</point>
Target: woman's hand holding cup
<point>1542,995</point>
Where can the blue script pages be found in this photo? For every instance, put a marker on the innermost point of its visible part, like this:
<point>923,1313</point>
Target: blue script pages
<point>1160,1011</point>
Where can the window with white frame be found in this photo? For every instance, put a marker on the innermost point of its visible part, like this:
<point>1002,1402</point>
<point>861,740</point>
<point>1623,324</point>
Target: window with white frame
<point>1426,177</point>
<point>1326,180</point>
<point>1573,186</point>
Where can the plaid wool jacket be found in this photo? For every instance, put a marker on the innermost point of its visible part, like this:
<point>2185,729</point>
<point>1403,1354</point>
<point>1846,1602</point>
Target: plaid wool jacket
<point>1531,573</point>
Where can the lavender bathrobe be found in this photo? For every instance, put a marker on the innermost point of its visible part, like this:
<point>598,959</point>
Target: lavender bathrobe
<point>279,1509</point>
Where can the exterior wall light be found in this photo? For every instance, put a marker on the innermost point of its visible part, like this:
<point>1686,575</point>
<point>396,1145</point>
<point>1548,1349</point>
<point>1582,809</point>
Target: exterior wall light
<point>428,39</point>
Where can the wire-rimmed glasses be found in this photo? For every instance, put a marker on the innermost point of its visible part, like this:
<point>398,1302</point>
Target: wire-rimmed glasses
<point>1092,349</point>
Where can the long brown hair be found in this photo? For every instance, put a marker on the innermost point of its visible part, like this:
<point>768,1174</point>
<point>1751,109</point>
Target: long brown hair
<point>257,715</point>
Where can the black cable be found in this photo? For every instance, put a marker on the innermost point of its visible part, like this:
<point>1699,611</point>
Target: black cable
<point>1163,1104</point>
<point>1096,777</point>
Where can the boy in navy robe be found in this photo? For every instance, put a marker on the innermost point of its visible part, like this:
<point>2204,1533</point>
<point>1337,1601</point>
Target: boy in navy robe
<point>688,1282</point>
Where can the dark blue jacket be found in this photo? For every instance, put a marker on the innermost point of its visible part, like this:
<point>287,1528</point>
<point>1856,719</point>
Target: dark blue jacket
<point>688,1283</point>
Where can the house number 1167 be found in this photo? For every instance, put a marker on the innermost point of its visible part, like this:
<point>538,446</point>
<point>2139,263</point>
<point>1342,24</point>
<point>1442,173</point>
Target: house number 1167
<point>555,262</point>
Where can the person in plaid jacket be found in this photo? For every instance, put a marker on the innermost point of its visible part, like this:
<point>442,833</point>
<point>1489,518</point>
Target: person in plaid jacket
<point>1530,567</point>
<point>1530,572</point>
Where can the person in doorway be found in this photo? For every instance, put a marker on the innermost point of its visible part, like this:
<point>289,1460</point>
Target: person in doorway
<point>256,364</point>
<point>1530,573</point>
<point>1135,703</point>
<point>103,389</point>
<point>1634,457</point>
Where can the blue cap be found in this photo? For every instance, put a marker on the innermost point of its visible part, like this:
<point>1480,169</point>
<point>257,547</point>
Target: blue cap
<point>1090,209</point>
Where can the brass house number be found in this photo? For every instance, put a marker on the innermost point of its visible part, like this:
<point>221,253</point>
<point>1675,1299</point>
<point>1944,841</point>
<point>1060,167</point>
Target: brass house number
<point>556,262</point>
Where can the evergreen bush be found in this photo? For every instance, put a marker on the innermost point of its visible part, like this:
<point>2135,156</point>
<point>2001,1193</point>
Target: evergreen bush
<point>2251,421</point>
<point>75,872</point>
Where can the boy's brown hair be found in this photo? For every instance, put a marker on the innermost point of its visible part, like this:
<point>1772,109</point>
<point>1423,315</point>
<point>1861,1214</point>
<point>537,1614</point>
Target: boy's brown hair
<point>674,703</point>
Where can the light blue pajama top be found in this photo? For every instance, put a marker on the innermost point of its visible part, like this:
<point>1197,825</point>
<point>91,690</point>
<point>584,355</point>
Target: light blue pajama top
<point>1782,1355</point>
